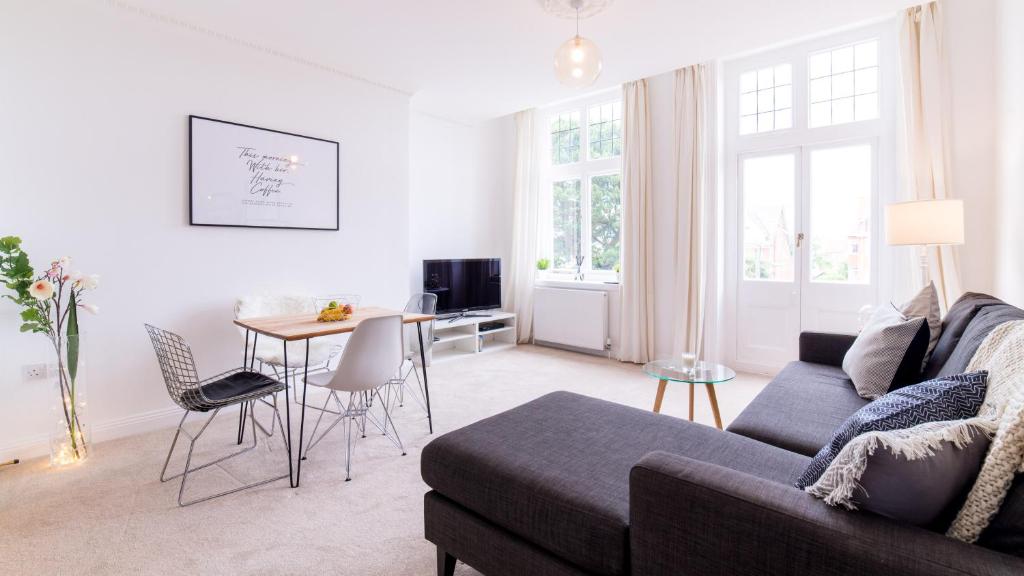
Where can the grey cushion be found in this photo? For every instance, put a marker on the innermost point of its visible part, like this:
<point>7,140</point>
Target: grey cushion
<point>946,398</point>
<point>800,408</point>
<point>984,322</point>
<point>879,350</point>
<point>555,471</point>
<point>960,315</point>
<point>925,304</point>
<point>1006,531</point>
<point>923,490</point>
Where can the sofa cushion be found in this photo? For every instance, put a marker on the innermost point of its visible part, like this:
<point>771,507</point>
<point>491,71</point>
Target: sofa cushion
<point>882,348</point>
<point>959,316</point>
<point>985,321</point>
<point>1006,530</point>
<point>915,475</point>
<point>945,398</point>
<point>555,471</point>
<point>800,408</point>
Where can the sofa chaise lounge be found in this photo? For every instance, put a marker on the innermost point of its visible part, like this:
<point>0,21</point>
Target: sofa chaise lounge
<point>571,485</point>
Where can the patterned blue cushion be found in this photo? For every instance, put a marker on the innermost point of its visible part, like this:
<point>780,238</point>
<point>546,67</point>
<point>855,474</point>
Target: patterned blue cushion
<point>947,398</point>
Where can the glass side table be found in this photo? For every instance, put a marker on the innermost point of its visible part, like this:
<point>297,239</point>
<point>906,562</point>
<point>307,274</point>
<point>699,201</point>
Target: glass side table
<point>706,373</point>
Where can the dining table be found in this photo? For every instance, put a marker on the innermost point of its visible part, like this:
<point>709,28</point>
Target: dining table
<point>304,327</point>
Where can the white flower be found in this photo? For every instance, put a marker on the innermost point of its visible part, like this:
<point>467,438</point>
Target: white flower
<point>89,282</point>
<point>41,290</point>
<point>92,308</point>
<point>64,262</point>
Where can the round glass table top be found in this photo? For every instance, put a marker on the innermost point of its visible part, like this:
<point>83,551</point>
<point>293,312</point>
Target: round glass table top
<point>701,373</point>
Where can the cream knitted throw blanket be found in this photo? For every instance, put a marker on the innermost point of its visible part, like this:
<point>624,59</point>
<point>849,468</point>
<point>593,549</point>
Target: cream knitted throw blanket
<point>1002,354</point>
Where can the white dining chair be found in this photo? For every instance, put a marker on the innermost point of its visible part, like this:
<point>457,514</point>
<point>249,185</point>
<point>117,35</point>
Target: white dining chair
<point>370,359</point>
<point>399,388</point>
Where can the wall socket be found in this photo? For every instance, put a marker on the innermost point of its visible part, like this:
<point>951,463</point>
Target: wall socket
<point>33,372</point>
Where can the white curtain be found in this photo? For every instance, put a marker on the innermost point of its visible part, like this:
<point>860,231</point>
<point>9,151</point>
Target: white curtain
<point>522,269</point>
<point>636,339</point>
<point>925,113</point>
<point>693,143</point>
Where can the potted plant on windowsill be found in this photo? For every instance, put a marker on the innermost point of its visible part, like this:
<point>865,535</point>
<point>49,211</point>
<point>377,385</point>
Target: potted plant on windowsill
<point>50,302</point>
<point>542,266</point>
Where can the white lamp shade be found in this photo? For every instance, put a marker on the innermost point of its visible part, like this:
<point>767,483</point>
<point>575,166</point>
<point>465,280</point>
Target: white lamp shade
<point>577,62</point>
<point>925,222</point>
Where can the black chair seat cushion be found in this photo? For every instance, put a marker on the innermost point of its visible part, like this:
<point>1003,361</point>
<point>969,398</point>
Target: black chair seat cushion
<point>800,408</point>
<point>237,386</point>
<point>555,471</point>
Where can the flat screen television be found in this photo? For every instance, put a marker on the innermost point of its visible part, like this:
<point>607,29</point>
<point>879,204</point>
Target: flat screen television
<point>462,285</point>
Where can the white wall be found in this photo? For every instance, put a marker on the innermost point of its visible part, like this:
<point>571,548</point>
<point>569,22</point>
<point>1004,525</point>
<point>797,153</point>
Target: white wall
<point>1010,145</point>
<point>94,155</point>
<point>460,190</point>
<point>970,49</point>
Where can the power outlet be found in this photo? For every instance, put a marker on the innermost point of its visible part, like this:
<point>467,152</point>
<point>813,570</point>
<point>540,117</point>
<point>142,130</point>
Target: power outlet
<point>33,372</point>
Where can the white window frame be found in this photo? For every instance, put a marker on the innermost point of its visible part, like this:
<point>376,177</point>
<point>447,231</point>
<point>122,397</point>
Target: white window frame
<point>584,169</point>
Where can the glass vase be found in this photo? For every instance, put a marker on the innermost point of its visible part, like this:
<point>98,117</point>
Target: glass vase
<point>70,433</point>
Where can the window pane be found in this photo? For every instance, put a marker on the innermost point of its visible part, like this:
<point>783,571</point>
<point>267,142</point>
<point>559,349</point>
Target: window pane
<point>748,82</point>
<point>763,94</point>
<point>605,130</point>
<point>565,138</point>
<point>768,189</point>
<point>605,221</point>
<point>567,221</point>
<point>836,76</point>
<point>840,222</point>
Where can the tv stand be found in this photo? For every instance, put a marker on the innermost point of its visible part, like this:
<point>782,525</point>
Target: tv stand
<point>460,315</point>
<point>460,336</point>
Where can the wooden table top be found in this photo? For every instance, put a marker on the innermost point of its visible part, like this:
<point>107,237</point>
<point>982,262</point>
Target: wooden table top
<point>292,327</point>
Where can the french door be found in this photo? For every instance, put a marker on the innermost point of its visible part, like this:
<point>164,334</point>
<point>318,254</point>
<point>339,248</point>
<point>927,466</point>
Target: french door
<point>807,245</point>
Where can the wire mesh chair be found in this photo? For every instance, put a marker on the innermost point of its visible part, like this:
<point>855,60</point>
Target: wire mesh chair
<point>398,387</point>
<point>233,387</point>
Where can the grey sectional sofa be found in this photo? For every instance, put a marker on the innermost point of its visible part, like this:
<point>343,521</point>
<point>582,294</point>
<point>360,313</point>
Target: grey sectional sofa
<point>571,485</point>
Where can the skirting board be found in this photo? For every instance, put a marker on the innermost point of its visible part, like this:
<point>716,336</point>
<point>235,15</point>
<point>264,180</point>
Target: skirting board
<point>39,445</point>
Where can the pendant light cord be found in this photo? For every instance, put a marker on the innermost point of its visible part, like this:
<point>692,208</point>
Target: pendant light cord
<point>577,21</point>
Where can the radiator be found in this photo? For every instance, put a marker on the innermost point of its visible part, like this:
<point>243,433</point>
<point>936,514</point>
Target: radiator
<point>573,318</point>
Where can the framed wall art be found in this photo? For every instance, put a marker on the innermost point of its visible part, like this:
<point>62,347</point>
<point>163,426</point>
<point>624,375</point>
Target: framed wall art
<point>246,176</point>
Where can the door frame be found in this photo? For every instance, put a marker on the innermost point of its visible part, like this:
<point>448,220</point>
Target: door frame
<point>883,131</point>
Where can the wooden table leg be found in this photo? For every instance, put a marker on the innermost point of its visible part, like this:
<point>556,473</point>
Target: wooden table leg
<point>660,396</point>
<point>691,402</point>
<point>714,405</point>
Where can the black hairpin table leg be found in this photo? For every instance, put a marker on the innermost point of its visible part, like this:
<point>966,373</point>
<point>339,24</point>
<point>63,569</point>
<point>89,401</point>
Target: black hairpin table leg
<point>302,419</point>
<point>423,365</point>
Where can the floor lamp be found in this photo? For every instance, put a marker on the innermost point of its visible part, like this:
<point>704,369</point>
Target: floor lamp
<point>925,223</point>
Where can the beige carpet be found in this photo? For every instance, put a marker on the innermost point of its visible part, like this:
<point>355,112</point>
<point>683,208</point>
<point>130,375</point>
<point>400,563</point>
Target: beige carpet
<point>111,515</point>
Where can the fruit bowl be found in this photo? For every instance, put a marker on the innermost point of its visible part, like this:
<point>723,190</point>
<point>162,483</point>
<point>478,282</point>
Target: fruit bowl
<point>335,312</point>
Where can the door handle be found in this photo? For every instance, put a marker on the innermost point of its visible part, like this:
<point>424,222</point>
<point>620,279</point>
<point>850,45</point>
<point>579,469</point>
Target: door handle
<point>799,239</point>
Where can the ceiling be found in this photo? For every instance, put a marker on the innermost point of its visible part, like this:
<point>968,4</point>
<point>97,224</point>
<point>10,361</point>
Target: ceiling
<point>468,60</point>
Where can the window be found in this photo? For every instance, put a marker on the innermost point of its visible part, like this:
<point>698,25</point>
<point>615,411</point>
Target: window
<point>565,138</point>
<point>581,220</point>
<point>605,129</point>
<point>843,84</point>
<point>766,99</point>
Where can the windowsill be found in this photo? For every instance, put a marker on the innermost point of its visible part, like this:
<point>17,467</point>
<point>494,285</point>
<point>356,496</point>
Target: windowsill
<point>550,282</point>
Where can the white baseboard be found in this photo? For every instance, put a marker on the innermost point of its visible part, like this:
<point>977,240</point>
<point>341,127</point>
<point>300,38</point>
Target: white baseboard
<point>39,445</point>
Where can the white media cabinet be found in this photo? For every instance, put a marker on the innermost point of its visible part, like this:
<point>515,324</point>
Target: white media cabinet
<point>462,337</point>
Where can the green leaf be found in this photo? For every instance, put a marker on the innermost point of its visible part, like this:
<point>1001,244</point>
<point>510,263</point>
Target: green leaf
<point>72,336</point>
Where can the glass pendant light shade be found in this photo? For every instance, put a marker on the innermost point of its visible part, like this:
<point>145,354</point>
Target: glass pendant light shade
<point>578,62</point>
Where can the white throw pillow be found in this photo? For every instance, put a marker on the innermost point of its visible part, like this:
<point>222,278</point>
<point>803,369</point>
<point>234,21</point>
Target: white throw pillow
<point>875,356</point>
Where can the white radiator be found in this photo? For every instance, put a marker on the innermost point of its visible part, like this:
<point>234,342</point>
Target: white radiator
<point>575,318</point>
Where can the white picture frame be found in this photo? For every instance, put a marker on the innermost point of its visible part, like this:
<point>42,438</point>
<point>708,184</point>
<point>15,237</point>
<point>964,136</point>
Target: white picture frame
<point>251,177</point>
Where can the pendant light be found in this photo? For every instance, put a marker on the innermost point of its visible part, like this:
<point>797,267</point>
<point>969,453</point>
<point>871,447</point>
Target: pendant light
<point>578,60</point>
